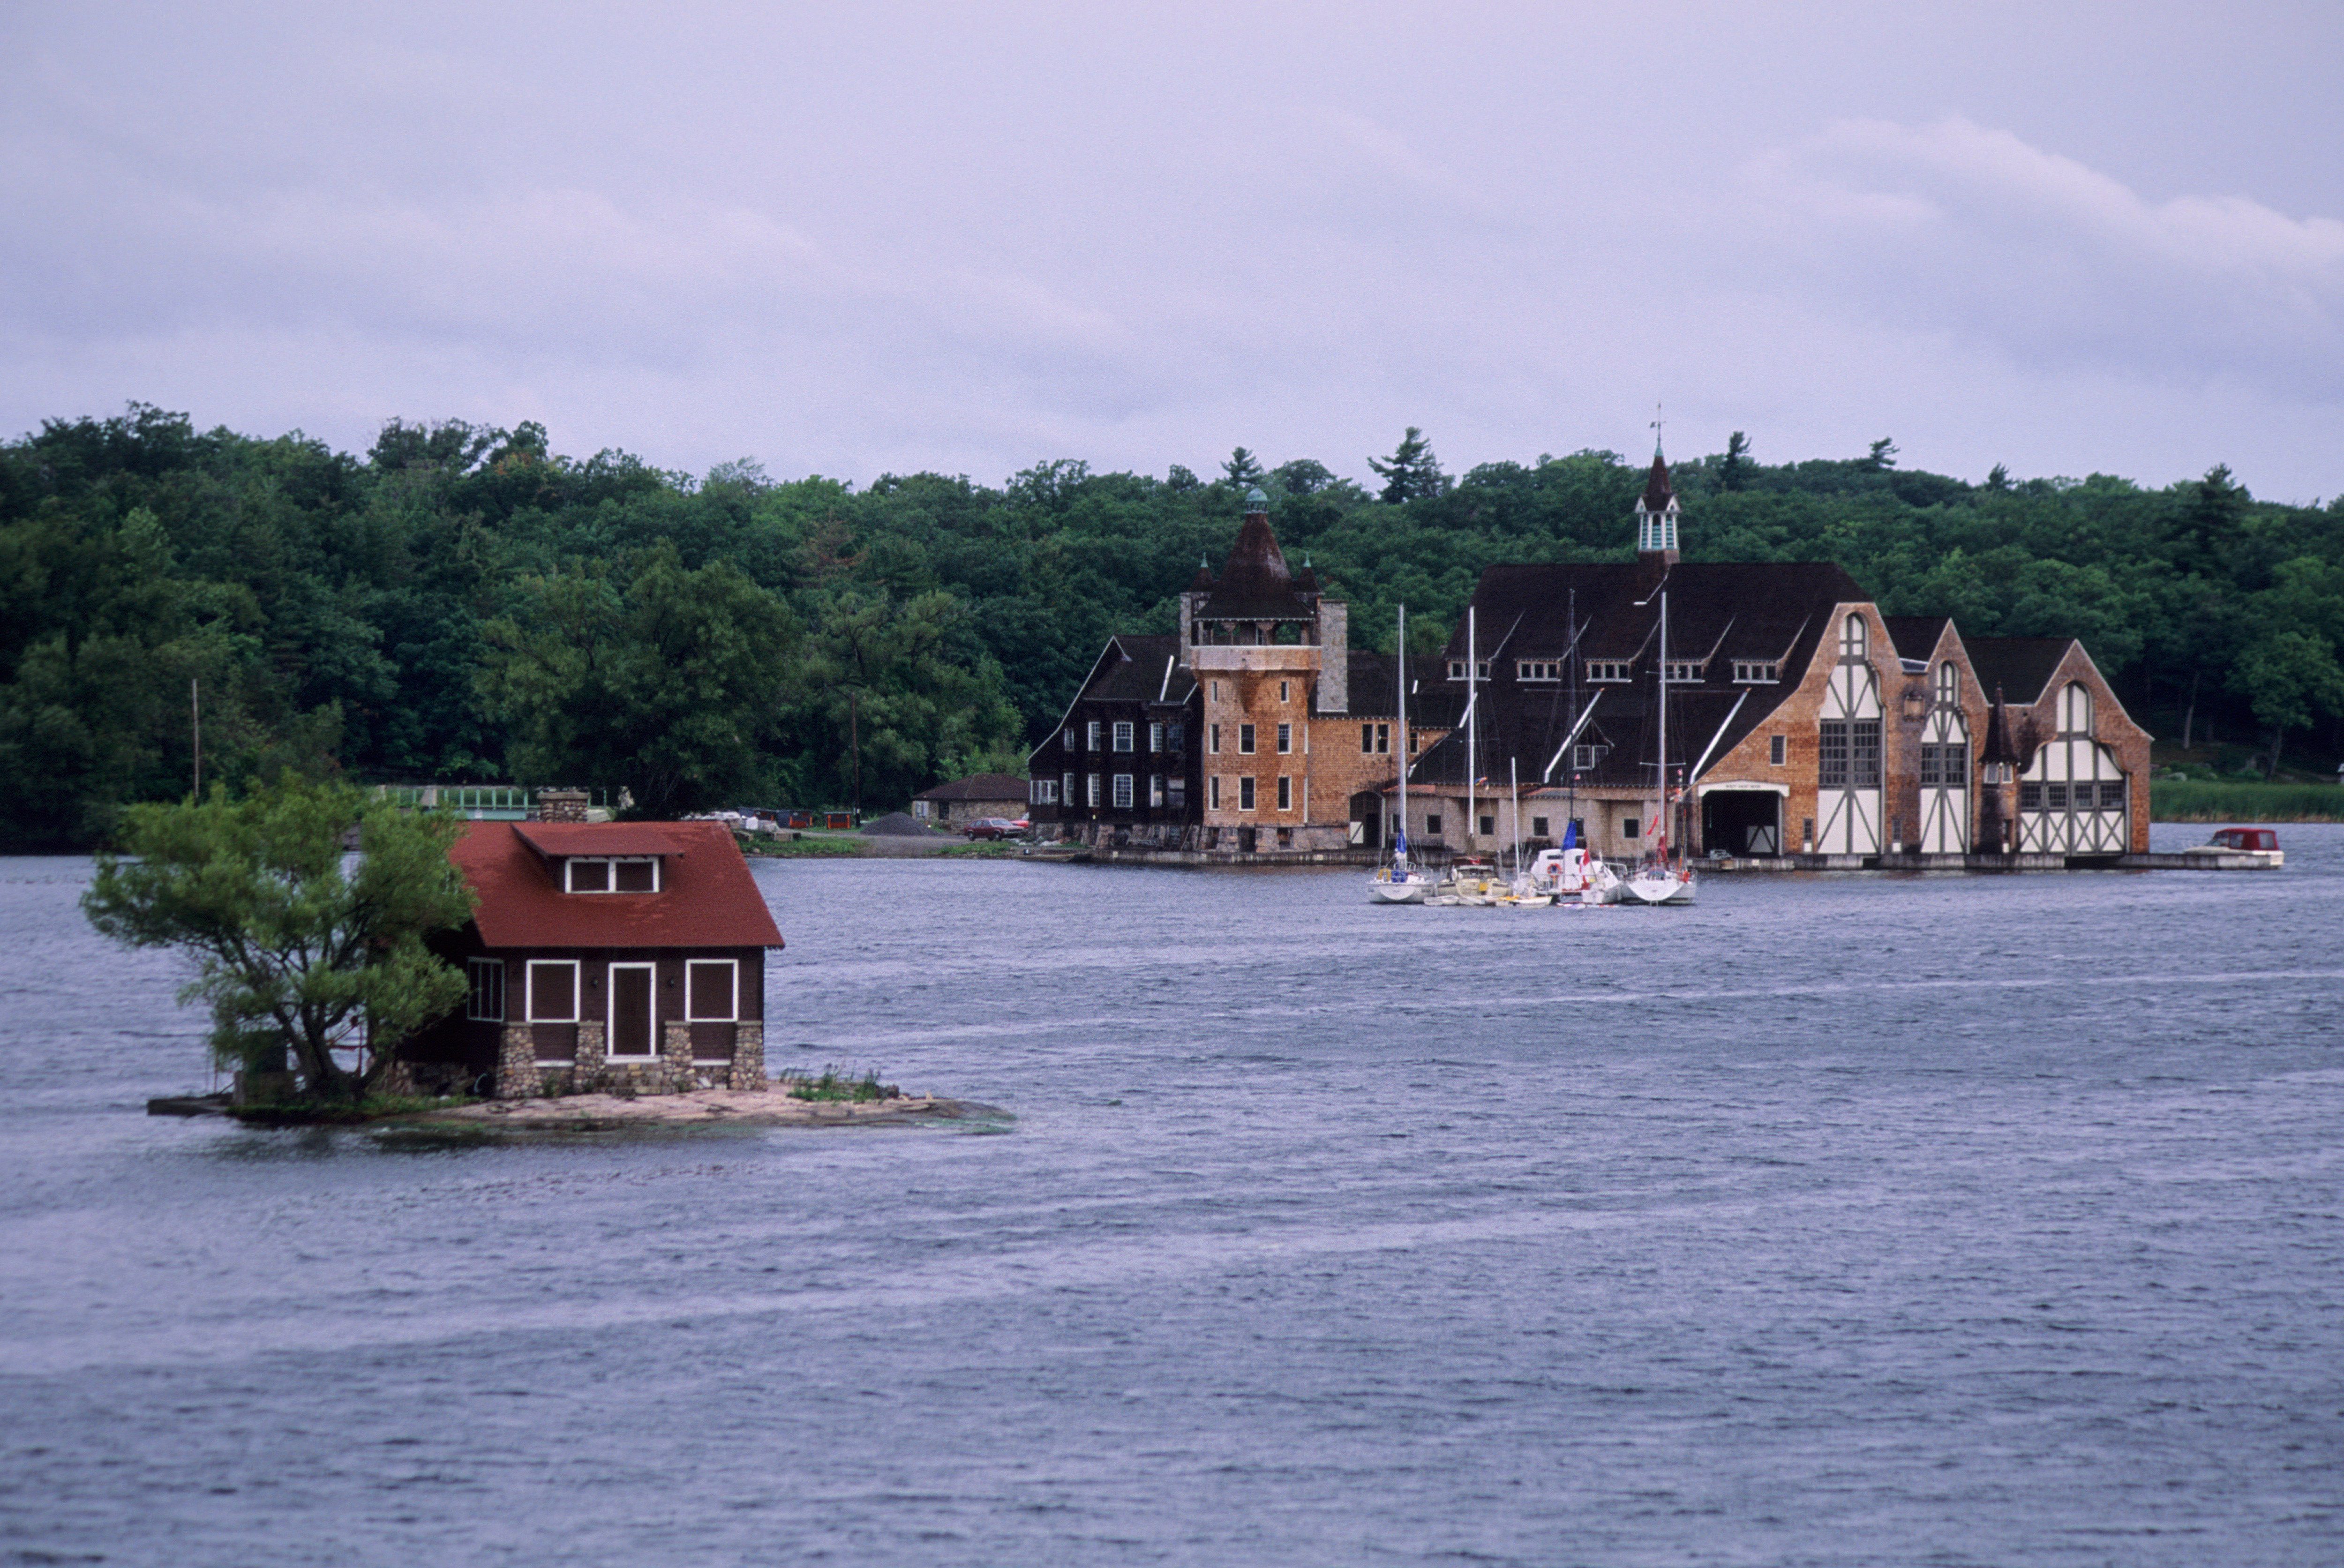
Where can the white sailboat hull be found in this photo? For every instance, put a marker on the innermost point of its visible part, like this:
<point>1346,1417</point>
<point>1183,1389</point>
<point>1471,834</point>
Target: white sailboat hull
<point>1408,890</point>
<point>1659,888</point>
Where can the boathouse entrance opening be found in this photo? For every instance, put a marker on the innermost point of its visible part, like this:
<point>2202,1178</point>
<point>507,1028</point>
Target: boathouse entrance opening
<point>1368,819</point>
<point>1741,821</point>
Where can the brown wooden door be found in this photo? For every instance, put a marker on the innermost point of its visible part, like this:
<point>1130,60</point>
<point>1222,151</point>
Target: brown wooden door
<point>631,1010</point>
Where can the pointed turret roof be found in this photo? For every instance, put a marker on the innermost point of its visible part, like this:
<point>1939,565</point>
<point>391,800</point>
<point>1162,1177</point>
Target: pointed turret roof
<point>1998,748</point>
<point>1657,492</point>
<point>1255,583</point>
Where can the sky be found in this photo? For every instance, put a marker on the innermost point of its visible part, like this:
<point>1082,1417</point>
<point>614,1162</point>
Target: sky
<point>871,239</point>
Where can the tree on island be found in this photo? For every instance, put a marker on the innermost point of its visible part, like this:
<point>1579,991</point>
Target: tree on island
<point>293,944</point>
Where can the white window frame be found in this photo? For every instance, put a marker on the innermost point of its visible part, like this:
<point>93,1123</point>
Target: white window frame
<point>1214,792</point>
<point>1286,791</point>
<point>1066,795</point>
<point>1684,672</point>
<point>1285,694</point>
<point>1778,751</point>
<point>1603,670</point>
<point>1155,738</point>
<point>1155,791</point>
<point>612,862</point>
<point>611,1015</point>
<point>1245,792</point>
<point>577,986</point>
<point>1757,673</point>
<point>1213,739</point>
<point>1589,756</point>
<point>1481,669</point>
<point>1246,735</point>
<point>1070,737</point>
<point>474,968</point>
<point>1285,740</point>
<point>1091,790</point>
<point>732,1013</point>
<point>1538,670</point>
<point>1123,735</point>
<point>1091,736</point>
<point>1122,795</point>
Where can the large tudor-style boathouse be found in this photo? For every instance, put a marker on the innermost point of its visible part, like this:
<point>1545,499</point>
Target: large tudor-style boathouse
<point>626,957</point>
<point>1800,721</point>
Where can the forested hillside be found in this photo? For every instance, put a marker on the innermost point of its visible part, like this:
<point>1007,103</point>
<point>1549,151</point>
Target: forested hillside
<point>462,604</point>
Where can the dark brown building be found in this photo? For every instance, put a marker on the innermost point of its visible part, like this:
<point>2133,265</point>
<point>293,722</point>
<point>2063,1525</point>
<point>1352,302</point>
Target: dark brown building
<point>603,956</point>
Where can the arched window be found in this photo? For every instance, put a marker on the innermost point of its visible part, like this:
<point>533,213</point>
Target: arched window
<point>2075,709</point>
<point>1852,639</point>
<point>1949,684</point>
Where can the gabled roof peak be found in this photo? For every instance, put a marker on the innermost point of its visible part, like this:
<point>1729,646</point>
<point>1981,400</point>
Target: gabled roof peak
<point>1659,495</point>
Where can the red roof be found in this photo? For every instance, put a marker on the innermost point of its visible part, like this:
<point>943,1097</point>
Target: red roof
<point>601,837</point>
<point>706,898</point>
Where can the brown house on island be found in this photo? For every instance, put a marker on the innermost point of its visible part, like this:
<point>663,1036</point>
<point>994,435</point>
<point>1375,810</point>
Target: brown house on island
<point>967,799</point>
<point>626,957</point>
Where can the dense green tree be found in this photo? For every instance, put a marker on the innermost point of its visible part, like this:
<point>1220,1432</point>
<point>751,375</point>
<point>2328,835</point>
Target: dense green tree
<point>292,946</point>
<point>1411,472</point>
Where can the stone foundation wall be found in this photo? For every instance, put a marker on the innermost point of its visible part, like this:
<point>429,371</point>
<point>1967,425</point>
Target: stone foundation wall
<point>591,1070</point>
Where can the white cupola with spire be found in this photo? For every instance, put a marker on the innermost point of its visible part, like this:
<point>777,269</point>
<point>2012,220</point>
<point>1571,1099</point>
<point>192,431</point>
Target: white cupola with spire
<point>1656,514</point>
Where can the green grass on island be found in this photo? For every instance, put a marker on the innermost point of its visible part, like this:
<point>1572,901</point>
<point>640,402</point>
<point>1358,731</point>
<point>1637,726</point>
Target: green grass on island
<point>831,1084</point>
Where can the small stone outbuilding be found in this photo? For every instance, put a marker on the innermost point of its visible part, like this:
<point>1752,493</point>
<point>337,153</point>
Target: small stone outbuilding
<point>602,957</point>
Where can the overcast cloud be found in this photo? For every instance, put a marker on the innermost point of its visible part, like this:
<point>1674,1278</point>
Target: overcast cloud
<point>856,239</point>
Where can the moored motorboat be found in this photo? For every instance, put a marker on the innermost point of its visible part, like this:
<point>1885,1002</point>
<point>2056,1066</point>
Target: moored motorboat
<point>2260,844</point>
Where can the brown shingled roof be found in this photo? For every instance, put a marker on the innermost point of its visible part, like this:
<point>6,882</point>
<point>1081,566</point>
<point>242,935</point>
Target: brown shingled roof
<point>1254,583</point>
<point>1657,493</point>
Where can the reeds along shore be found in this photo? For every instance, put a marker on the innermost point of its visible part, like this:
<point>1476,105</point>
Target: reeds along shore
<point>2194,800</point>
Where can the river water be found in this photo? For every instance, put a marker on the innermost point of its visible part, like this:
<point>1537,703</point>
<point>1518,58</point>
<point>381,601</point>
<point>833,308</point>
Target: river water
<point>1834,1220</point>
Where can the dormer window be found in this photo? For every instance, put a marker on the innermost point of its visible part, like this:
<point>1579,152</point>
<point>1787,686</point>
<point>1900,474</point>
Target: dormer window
<point>611,874</point>
<point>1457,669</point>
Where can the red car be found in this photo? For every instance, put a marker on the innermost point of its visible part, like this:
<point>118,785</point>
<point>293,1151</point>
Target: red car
<point>997,828</point>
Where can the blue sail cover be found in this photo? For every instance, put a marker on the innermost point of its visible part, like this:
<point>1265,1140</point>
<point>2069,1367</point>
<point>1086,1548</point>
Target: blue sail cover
<point>1399,842</point>
<point>1571,833</point>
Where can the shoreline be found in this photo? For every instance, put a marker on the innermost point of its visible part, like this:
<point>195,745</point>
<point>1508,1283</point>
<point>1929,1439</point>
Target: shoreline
<point>770,1107</point>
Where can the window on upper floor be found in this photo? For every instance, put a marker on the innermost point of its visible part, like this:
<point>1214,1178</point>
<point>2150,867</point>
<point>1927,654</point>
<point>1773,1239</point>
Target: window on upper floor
<point>1245,740</point>
<point>1091,790</point>
<point>1123,792</point>
<point>1855,639</point>
<point>1684,672</point>
<point>611,874</point>
<point>1756,672</point>
<point>1457,669</point>
<point>1123,735</point>
<point>1949,684</point>
<point>1155,738</point>
<point>2075,709</point>
<point>1776,748</point>
<point>1585,759</point>
<point>1537,669</point>
<point>1091,736</point>
<point>1285,739</point>
<point>1608,669</point>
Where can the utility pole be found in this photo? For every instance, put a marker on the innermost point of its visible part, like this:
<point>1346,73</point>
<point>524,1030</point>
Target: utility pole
<point>196,716</point>
<point>855,745</point>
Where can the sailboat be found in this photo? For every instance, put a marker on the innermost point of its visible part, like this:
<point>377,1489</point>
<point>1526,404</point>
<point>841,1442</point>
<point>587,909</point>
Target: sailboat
<point>1658,880</point>
<point>1398,882</point>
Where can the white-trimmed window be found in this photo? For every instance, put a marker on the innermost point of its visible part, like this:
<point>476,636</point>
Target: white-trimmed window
<point>1285,690</point>
<point>1757,671</point>
<point>1123,792</point>
<point>1066,789</point>
<point>1245,740</point>
<point>1070,737</point>
<point>1091,736</point>
<point>1155,738</point>
<point>1044,793</point>
<point>1457,669</point>
<point>2075,709</point>
<point>1777,748</point>
<point>1854,638</point>
<point>552,990</point>
<point>486,1000</point>
<point>1155,791</point>
<point>1090,788</point>
<point>1608,669</point>
<point>1684,672</point>
<point>1375,740</point>
<point>1244,793</point>
<point>1123,735</point>
<point>1285,791</point>
<point>1949,684</point>
<point>712,990</point>
<point>1285,739</point>
<point>1213,739</point>
<point>1584,758</point>
<point>1537,669</point>
<point>611,874</point>
<point>1213,792</point>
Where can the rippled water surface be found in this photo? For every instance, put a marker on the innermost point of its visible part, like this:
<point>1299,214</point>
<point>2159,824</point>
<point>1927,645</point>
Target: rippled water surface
<point>1846,1221</point>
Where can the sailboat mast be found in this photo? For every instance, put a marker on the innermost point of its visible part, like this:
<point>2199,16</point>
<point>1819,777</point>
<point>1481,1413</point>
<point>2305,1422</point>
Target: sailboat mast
<point>1472,679</point>
<point>1663,725</point>
<point>1403,724</point>
<point>1571,658</point>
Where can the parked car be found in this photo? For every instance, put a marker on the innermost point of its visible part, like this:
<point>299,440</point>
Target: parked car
<point>997,828</point>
